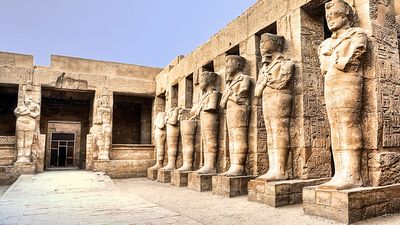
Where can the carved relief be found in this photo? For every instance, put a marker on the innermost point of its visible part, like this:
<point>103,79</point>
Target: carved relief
<point>27,113</point>
<point>273,86</point>
<point>69,83</point>
<point>101,131</point>
<point>342,65</point>
<point>235,99</point>
<point>7,140</point>
<point>315,156</point>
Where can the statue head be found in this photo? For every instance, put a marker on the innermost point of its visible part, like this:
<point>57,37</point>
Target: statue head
<point>105,117</point>
<point>339,14</point>
<point>269,44</point>
<point>28,100</point>
<point>234,64</point>
<point>208,79</point>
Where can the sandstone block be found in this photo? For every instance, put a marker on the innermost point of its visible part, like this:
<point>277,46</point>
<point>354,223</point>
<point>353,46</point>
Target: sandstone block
<point>164,176</point>
<point>152,174</point>
<point>230,186</point>
<point>200,182</point>
<point>180,178</point>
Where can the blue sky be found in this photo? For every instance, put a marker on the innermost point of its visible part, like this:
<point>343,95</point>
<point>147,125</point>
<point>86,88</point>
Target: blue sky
<point>144,32</point>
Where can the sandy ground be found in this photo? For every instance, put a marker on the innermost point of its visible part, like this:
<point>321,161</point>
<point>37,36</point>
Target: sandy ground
<point>210,209</point>
<point>3,189</point>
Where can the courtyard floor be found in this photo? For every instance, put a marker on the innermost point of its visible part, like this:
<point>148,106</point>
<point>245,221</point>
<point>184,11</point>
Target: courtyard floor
<point>80,197</point>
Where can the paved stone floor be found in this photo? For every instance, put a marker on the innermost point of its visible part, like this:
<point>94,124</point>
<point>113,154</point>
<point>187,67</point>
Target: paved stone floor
<point>78,197</point>
<point>81,197</point>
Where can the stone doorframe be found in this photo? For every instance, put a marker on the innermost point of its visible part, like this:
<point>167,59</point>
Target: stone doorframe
<point>64,127</point>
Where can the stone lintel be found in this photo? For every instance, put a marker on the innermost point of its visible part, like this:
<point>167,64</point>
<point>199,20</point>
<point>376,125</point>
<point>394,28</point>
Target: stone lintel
<point>164,176</point>
<point>152,174</point>
<point>280,193</point>
<point>350,206</point>
<point>230,186</point>
<point>200,182</point>
<point>180,178</point>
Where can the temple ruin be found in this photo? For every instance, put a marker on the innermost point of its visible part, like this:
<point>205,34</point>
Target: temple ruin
<point>293,102</point>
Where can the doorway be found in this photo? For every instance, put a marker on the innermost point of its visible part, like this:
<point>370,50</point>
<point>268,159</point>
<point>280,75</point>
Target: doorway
<point>63,145</point>
<point>62,149</point>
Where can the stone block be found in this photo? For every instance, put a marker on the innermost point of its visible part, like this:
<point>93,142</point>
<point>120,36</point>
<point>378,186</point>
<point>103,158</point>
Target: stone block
<point>164,176</point>
<point>152,174</point>
<point>350,206</point>
<point>180,178</point>
<point>200,182</point>
<point>230,186</point>
<point>281,193</point>
<point>26,168</point>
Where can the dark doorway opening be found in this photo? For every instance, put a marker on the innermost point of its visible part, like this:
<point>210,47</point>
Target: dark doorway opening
<point>8,103</point>
<point>62,149</point>
<point>132,119</point>
<point>65,106</point>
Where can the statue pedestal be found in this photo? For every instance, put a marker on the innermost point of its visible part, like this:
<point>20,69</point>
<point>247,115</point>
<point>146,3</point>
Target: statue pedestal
<point>200,182</point>
<point>152,174</point>
<point>180,178</point>
<point>230,186</point>
<point>26,168</point>
<point>350,206</point>
<point>164,176</point>
<point>280,193</point>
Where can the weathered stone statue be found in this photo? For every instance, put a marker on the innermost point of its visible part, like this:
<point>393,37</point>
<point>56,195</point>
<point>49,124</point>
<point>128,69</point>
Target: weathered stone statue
<point>172,137</point>
<point>342,65</point>
<point>207,110</point>
<point>27,113</point>
<point>273,85</point>
<point>188,133</point>
<point>235,99</point>
<point>102,131</point>
<point>159,136</point>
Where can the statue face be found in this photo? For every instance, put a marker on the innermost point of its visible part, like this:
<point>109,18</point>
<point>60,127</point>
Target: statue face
<point>231,68</point>
<point>267,47</point>
<point>203,82</point>
<point>28,101</point>
<point>336,20</point>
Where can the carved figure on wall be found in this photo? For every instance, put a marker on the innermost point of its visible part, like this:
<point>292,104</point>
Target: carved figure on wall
<point>27,113</point>
<point>102,130</point>
<point>172,137</point>
<point>235,99</point>
<point>342,65</point>
<point>206,109</point>
<point>69,82</point>
<point>159,136</point>
<point>273,86</point>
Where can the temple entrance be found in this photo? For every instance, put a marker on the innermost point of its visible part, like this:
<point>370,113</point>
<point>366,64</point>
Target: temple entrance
<point>65,119</point>
<point>63,149</point>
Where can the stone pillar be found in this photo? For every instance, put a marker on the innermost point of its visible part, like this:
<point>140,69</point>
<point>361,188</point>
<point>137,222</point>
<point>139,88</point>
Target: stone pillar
<point>29,145</point>
<point>145,124</point>
<point>99,140</point>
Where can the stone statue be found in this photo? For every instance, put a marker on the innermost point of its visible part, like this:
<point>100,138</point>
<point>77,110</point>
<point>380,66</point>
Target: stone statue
<point>235,99</point>
<point>188,133</point>
<point>207,110</point>
<point>102,131</point>
<point>273,85</point>
<point>342,65</point>
<point>172,136</point>
<point>27,113</point>
<point>159,136</point>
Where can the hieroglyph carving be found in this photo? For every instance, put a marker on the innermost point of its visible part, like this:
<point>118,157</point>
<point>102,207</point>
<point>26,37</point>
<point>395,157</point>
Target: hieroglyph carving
<point>207,110</point>
<point>159,136</point>
<point>342,64</point>
<point>101,131</point>
<point>235,99</point>
<point>172,137</point>
<point>273,86</point>
<point>27,113</point>
<point>69,83</point>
